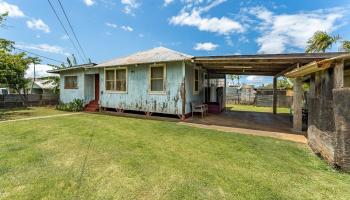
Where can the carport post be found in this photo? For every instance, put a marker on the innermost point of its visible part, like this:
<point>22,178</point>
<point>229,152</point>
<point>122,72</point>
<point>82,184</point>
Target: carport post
<point>274,97</point>
<point>297,105</point>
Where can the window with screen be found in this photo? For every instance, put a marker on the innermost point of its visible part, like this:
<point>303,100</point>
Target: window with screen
<point>157,78</point>
<point>116,79</point>
<point>196,81</point>
<point>70,82</point>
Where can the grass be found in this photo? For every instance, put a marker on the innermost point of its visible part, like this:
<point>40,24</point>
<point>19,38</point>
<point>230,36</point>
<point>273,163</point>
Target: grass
<point>91,156</point>
<point>252,108</point>
<point>20,113</point>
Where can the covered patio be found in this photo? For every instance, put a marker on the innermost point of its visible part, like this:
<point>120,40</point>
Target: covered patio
<point>274,65</point>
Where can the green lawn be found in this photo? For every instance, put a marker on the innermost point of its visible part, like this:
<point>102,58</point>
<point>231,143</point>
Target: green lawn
<point>252,108</point>
<point>91,156</point>
<point>20,113</point>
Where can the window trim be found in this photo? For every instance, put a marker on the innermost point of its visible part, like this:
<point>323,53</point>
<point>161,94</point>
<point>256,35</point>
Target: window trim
<point>150,79</point>
<point>73,88</point>
<point>194,80</point>
<point>115,79</point>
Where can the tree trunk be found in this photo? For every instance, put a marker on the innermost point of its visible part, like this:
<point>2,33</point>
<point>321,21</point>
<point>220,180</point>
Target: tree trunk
<point>23,96</point>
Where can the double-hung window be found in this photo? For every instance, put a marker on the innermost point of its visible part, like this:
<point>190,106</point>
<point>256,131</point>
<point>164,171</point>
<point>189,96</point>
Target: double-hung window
<point>196,81</point>
<point>157,78</point>
<point>116,79</point>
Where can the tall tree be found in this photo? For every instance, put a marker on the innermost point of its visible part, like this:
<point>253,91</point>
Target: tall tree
<point>320,42</point>
<point>345,45</point>
<point>13,66</point>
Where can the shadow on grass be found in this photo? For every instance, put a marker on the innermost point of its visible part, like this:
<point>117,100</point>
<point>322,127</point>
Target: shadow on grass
<point>15,113</point>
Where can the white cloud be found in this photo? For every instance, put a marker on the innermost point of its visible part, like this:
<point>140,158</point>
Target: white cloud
<point>127,28</point>
<point>44,47</point>
<point>111,25</point>
<point>129,5</point>
<point>64,37</point>
<point>206,46</point>
<point>89,2</point>
<point>141,35</point>
<point>13,10</point>
<point>38,24</point>
<point>255,79</point>
<point>192,17</point>
<point>289,31</point>
<point>229,41</point>
<point>40,71</point>
<point>167,2</point>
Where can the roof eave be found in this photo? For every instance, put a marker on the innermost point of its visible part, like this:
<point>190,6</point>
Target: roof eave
<point>140,63</point>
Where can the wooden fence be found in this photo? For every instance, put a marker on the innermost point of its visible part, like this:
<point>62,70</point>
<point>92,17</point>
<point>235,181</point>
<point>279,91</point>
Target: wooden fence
<point>15,100</point>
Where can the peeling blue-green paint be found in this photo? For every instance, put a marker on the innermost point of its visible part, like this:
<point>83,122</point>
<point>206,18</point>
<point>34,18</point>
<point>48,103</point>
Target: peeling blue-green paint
<point>175,100</point>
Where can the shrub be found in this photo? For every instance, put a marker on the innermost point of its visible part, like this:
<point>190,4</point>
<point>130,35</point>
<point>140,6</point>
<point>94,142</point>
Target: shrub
<point>75,106</point>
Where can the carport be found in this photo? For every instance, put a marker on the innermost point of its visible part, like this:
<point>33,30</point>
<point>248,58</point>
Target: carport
<point>274,65</point>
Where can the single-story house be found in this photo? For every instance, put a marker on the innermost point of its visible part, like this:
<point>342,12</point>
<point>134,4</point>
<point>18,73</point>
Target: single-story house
<point>159,80</point>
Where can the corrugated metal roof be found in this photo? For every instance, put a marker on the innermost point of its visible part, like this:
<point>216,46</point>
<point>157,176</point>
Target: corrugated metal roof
<point>82,66</point>
<point>159,54</point>
<point>45,84</point>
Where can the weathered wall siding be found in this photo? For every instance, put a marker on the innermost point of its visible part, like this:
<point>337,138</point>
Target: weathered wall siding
<point>347,77</point>
<point>138,98</point>
<point>189,83</point>
<point>321,130</point>
<point>89,87</point>
<point>67,95</point>
<point>341,100</point>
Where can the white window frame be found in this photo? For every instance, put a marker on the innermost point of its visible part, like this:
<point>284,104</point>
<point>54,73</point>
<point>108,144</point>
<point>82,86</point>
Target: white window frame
<point>115,79</point>
<point>150,78</point>
<point>64,85</point>
<point>194,80</point>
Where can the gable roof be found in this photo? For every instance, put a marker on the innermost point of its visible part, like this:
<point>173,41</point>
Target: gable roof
<point>159,54</point>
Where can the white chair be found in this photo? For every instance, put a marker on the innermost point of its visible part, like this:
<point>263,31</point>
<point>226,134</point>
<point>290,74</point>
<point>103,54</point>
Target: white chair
<point>199,108</point>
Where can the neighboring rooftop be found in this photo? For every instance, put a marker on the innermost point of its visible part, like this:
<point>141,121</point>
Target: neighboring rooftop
<point>159,54</point>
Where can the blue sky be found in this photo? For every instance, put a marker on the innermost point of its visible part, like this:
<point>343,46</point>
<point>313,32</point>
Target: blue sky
<point>112,28</point>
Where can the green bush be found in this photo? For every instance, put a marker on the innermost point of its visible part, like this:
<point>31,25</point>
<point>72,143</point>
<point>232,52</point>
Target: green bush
<point>76,105</point>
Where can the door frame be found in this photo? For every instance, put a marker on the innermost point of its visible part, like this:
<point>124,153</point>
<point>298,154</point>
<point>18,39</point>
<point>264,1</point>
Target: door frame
<point>97,87</point>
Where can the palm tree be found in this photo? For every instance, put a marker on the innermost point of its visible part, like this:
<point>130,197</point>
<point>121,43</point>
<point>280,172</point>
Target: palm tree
<point>346,45</point>
<point>320,42</point>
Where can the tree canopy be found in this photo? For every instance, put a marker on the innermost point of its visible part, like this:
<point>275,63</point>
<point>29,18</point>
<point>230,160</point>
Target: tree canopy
<point>320,42</point>
<point>13,65</point>
<point>346,46</point>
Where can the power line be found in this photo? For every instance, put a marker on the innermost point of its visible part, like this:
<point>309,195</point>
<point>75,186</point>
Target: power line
<point>39,55</point>
<point>65,30</point>
<point>71,27</point>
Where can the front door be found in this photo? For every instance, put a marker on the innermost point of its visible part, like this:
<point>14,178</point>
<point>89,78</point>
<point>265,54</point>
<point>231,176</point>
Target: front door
<point>97,87</point>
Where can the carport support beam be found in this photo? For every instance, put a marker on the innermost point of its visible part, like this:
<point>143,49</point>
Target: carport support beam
<point>274,97</point>
<point>297,105</point>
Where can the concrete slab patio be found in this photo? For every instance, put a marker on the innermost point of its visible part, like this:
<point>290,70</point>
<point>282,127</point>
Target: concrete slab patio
<point>251,123</point>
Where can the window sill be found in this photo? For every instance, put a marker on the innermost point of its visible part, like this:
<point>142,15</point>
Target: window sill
<point>157,93</point>
<point>116,92</point>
